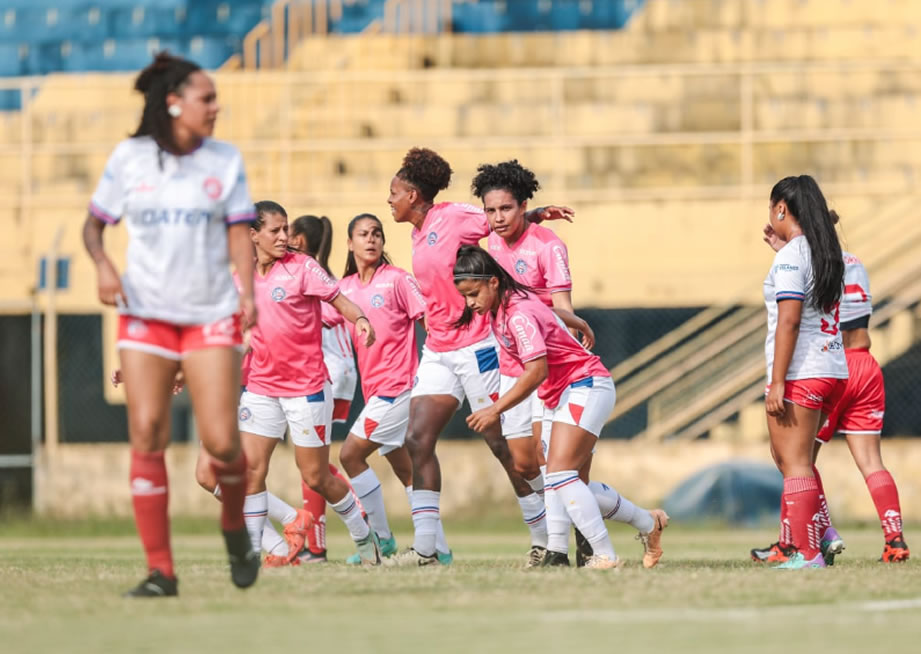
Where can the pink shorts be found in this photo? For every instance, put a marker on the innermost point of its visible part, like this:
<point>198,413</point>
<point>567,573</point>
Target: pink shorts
<point>175,341</point>
<point>863,403</point>
<point>816,393</point>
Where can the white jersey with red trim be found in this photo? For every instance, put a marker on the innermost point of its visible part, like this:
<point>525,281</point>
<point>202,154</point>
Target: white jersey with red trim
<point>819,351</point>
<point>856,302</point>
<point>178,209</point>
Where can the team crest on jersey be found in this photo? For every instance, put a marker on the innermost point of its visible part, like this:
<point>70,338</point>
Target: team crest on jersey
<point>245,414</point>
<point>521,267</point>
<point>213,188</point>
<point>278,294</point>
<point>432,238</point>
<point>377,300</point>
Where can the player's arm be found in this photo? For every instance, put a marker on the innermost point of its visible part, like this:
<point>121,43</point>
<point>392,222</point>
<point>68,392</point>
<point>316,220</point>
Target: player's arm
<point>552,212</point>
<point>535,372</point>
<point>789,313</point>
<point>352,312</point>
<point>243,257</point>
<point>108,282</point>
<point>576,325</point>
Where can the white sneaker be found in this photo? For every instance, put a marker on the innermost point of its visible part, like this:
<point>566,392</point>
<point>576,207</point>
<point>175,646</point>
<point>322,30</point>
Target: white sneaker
<point>602,562</point>
<point>410,557</point>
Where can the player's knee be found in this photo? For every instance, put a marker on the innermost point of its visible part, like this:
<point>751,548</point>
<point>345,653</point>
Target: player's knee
<point>225,450</point>
<point>350,459</point>
<point>527,469</point>
<point>420,444</point>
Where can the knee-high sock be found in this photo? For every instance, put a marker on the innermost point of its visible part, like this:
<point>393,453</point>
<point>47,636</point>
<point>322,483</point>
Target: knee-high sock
<point>614,506</point>
<point>272,541</point>
<point>347,509</point>
<point>426,518</point>
<point>255,510</point>
<point>534,514</point>
<point>804,514</point>
<point>315,504</point>
<point>232,478</point>
<point>823,504</point>
<point>441,541</point>
<point>582,508</point>
<point>280,510</point>
<point>367,487</point>
<point>557,522</point>
<point>150,498</point>
<point>885,496</point>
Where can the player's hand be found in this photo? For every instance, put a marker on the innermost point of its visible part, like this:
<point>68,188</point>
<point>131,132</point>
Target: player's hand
<point>483,419</point>
<point>554,212</point>
<point>111,292</point>
<point>248,314</point>
<point>588,336</point>
<point>116,377</point>
<point>365,331</point>
<point>772,239</point>
<point>773,402</point>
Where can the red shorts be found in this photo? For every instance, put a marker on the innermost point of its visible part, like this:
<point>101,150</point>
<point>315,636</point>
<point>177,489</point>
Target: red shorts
<point>175,341</point>
<point>341,410</point>
<point>816,393</point>
<point>863,403</point>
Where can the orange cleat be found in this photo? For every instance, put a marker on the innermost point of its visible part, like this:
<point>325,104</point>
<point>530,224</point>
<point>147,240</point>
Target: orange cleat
<point>652,542</point>
<point>895,551</point>
<point>295,533</point>
<point>278,561</point>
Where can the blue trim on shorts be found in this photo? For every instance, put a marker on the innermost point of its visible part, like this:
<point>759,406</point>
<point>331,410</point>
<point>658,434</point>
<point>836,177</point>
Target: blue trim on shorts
<point>487,359</point>
<point>389,399</point>
<point>316,397</point>
<point>588,382</point>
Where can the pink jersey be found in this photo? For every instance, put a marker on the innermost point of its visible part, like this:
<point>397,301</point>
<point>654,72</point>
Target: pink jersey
<point>538,259</point>
<point>447,226</point>
<point>393,302</point>
<point>529,330</point>
<point>286,342</point>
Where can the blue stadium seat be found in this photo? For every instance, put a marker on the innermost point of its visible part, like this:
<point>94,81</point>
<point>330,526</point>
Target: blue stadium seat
<point>210,52</point>
<point>11,63</point>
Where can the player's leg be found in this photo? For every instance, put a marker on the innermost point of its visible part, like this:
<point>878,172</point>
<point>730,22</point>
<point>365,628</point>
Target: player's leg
<point>648,522</point>
<point>780,550</point>
<point>258,450</point>
<point>148,382</point>
<point>213,379</point>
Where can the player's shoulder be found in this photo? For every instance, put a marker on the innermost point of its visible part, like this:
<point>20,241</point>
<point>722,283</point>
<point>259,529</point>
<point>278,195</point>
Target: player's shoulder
<point>134,146</point>
<point>544,235</point>
<point>851,259</point>
<point>222,149</point>
<point>793,255</point>
<point>457,208</point>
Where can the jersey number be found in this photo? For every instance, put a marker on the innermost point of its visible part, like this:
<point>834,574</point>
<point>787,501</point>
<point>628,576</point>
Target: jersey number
<point>831,328</point>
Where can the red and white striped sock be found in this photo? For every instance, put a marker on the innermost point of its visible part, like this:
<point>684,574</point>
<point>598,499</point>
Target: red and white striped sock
<point>885,496</point>
<point>804,514</point>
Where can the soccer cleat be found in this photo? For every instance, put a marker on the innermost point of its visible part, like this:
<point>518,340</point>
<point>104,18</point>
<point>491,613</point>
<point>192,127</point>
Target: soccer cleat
<point>156,585</point>
<point>388,548</point>
<point>555,559</point>
<point>602,562</point>
<point>896,550</point>
<point>831,545</point>
<point>584,549</point>
<point>535,556</point>
<point>306,556</point>
<point>799,562</point>
<point>278,561</point>
<point>652,542</point>
<point>773,553</point>
<point>409,558</point>
<point>295,532</point>
<point>445,558</point>
<point>369,549</point>
<point>244,562</point>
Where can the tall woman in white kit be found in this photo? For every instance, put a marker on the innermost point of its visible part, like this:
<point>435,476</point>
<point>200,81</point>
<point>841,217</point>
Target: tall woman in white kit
<point>187,206</point>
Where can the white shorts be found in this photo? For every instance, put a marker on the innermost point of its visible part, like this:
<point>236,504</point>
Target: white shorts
<point>517,421</point>
<point>384,421</point>
<point>586,403</point>
<point>340,363</point>
<point>471,372</point>
<point>309,418</point>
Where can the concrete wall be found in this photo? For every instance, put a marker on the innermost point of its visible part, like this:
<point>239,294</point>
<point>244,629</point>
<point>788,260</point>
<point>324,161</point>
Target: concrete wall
<point>83,480</point>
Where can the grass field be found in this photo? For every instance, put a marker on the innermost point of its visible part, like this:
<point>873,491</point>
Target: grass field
<point>60,585</point>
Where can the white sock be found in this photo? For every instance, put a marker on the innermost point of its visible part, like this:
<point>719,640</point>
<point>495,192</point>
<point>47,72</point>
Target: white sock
<point>582,508</point>
<point>280,510</point>
<point>535,517</point>
<point>441,541</point>
<point>347,509</point>
<point>615,506</point>
<point>272,541</point>
<point>537,484</point>
<point>368,489</point>
<point>255,509</point>
<point>426,516</point>
<point>557,522</point>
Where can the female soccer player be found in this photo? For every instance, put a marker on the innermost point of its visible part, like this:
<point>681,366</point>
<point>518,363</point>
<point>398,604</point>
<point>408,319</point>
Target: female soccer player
<point>313,236</point>
<point>391,297</point>
<point>188,209</point>
<point>537,258</point>
<point>288,385</point>
<point>858,415</point>
<point>806,366</point>
<point>455,363</point>
<point>571,381</point>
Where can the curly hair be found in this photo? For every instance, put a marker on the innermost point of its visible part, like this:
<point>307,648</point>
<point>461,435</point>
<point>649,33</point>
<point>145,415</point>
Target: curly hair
<point>427,171</point>
<point>509,176</point>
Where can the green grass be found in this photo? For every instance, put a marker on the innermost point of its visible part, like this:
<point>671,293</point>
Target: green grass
<point>60,585</point>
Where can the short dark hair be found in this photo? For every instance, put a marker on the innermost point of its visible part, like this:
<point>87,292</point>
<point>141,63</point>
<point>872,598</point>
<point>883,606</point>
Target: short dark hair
<point>473,262</point>
<point>263,208</point>
<point>509,176</point>
<point>164,75</point>
<point>427,171</point>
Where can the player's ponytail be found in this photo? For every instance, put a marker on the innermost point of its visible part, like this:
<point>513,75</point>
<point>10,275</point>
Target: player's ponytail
<point>318,232</point>
<point>473,262</point>
<point>807,205</point>
<point>165,75</point>
<point>351,267</point>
